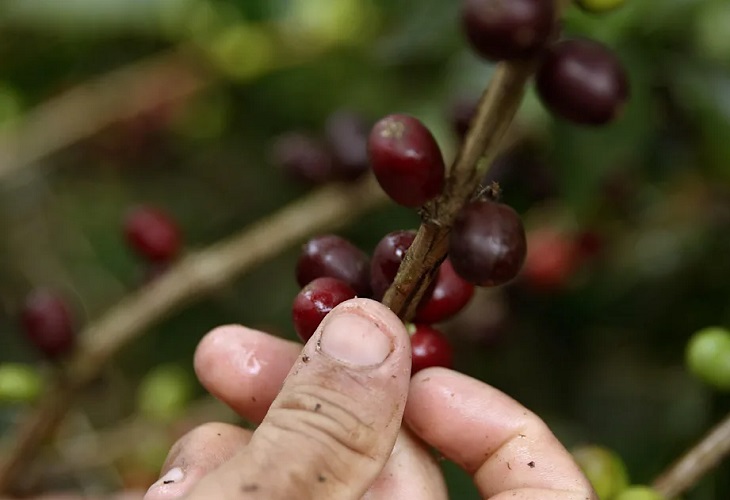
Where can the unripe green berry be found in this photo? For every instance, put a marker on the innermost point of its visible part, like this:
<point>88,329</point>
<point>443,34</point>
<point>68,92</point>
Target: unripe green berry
<point>639,493</point>
<point>708,356</point>
<point>19,383</point>
<point>164,393</point>
<point>600,5</point>
<point>604,469</point>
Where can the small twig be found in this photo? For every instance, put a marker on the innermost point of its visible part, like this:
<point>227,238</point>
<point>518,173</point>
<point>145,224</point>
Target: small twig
<point>84,110</point>
<point>704,456</point>
<point>483,143</point>
<point>195,276</point>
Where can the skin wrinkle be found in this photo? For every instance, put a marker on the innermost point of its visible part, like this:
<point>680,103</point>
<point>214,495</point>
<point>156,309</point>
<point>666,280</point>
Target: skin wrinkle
<point>311,462</point>
<point>308,397</point>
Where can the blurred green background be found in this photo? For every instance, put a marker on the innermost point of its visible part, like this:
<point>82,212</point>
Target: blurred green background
<point>600,358</point>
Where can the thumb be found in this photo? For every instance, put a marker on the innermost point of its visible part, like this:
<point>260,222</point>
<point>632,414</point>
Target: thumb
<point>333,426</point>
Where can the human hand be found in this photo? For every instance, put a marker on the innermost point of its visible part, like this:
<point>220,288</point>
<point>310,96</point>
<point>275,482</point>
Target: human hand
<point>330,422</point>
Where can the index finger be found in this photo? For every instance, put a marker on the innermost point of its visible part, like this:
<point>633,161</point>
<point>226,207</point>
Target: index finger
<point>506,448</point>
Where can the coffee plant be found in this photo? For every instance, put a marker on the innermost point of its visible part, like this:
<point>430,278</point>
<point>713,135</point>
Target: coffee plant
<point>539,189</point>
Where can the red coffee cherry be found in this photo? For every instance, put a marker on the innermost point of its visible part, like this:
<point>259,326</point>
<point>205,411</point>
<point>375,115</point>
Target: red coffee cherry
<point>429,348</point>
<point>552,258</point>
<point>487,245</point>
<point>48,323</point>
<point>451,293</point>
<point>583,81</point>
<point>315,301</point>
<point>406,160</point>
<point>508,29</point>
<point>152,233</point>
<point>347,136</point>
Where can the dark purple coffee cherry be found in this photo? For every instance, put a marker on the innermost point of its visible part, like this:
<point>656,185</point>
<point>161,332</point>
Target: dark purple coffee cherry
<point>334,257</point>
<point>387,257</point>
<point>508,29</point>
<point>347,135</point>
<point>303,158</point>
<point>583,81</point>
<point>406,160</point>
<point>487,245</point>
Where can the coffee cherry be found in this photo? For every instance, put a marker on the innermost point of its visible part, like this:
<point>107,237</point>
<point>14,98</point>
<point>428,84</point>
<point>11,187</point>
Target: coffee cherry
<point>334,257</point>
<point>639,493</point>
<point>47,321</point>
<point>451,293</point>
<point>604,469</point>
<point>406,160</point>
<point>152,234</point>
<point>19,383</point>
<point>303,158</point>
<point>487,244</point>
<point>600,5</point>
<point>347,135</point>
<point>552,258</point>
<point>315,301</point>
<point>387,257</point>
<point>708,356</point>
<point>164,393</point>
<point>508,29</point>
<point>583,81</point>
<point>429,348</point>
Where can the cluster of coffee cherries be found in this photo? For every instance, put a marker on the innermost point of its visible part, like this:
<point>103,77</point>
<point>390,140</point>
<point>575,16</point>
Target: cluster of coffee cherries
<point>46,315</point>
<point>487,245</point>
<point>577,79</point>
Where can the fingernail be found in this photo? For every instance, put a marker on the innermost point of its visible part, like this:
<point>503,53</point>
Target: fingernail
<point>168,486</point>
<point>354,339</point>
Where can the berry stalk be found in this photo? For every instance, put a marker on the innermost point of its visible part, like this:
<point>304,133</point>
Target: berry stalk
<point>482,144</point>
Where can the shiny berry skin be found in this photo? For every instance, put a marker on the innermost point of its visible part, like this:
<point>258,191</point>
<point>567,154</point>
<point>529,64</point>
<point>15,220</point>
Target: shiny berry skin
<point>429,348</point>
<point>347,135</point>
<point>303,158</point>
<point>406,160</point>
<point>315,301</point>
<point>333,257</point>
<point>583,81</point>
<point>152,234</point>
<point>552,258</point>
<point>387,257</point>
<point>451,293</point>
<point>508,29</point>
<point>487,245</point>
<point>48,323</point>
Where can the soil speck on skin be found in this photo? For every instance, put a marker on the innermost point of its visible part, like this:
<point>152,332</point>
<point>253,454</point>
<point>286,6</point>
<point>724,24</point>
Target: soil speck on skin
<point>531,465</point>
<point>321,478</point>
<point>426,379</point>
<point>168,481</point>
<point>305,359</point>
<point>317,407</point>
<point>509,466</point>
<point>523,436</point>
<point>219,434</point>
<point>253,399</point>
<point>248,488</point>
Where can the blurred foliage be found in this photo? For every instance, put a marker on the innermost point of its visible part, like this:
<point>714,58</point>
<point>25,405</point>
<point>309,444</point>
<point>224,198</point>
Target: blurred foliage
<point>600,359</point>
